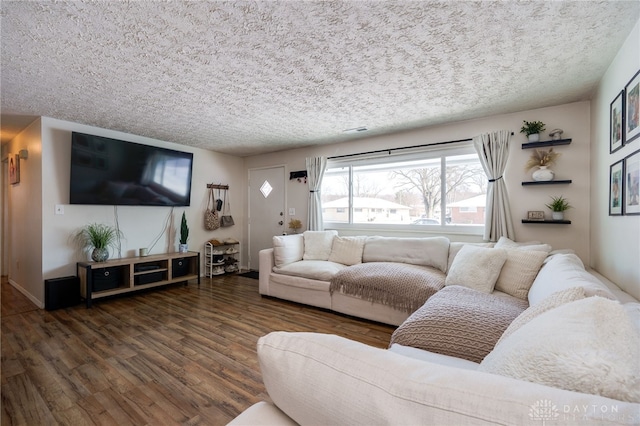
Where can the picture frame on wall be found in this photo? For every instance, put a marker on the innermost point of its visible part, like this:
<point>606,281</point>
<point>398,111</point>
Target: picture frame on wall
<point>616,188</point>
<point>632,183</point>
<point>616,123</point>
<point>632,109</point>
<point>14,169</point>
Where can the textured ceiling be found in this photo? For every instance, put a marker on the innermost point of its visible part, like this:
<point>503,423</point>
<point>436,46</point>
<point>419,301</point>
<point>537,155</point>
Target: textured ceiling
<point>246,77</point>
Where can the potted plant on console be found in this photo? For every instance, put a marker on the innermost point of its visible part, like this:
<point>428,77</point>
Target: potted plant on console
<point>184,235</point>
<point>532,130</point>
<point>98,237</point>
<point>558,205</point>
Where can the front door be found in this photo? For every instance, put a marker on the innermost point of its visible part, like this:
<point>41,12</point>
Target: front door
<point>266,210</point>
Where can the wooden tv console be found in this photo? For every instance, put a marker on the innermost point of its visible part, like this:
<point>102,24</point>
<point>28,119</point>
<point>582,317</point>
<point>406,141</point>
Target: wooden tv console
<point>118,276</point>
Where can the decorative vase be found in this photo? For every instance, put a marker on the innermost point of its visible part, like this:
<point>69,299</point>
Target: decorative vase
<point>100,254</point>
<point>557,215</point>
<point>183,248</point>
<point>534,137</point>
<point>543,174</point>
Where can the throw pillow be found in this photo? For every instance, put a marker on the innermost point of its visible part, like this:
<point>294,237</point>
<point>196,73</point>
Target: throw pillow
<point>519,271</point>
<point>287,249</point>
<point>476,267</point>
<point>587,346</point>
<point>460,322</point>
<point>347,250</point>
<point>553,301</point>
<point>317,244</point>
<point>455,247</point>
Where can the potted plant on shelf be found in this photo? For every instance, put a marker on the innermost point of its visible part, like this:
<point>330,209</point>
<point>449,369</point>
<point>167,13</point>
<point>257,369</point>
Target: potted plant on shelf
<point>295,224</point>
<point>184,235</point>
<point>532,130</point>
<point>558,205</point>
<point>541,160</point>
<point>98,237</point>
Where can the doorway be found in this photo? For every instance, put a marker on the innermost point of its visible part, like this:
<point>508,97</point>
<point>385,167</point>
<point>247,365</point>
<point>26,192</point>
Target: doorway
<point>266,210</point>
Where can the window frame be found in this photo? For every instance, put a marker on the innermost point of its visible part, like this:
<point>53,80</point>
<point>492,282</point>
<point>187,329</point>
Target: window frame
<point>412,154</point>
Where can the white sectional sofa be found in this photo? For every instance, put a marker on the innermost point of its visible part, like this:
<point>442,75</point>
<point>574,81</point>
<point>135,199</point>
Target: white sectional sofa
<point>299,268</point>
<point>570,357</point>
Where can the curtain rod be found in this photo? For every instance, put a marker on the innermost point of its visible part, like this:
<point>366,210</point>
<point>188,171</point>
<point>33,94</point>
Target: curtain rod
<point>404,147</point>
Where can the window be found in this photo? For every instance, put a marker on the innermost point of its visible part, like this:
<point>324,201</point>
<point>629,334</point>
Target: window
<point>427,187</point>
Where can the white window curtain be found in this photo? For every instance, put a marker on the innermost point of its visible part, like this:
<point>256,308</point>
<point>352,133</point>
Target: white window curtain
<point>315,171</point>
<point>493,150</point>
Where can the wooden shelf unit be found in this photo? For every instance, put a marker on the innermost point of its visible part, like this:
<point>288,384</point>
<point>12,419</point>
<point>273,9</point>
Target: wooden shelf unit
<point>119,276</point>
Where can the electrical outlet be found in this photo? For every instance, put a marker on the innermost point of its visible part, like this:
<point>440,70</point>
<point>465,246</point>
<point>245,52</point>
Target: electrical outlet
<point>59,209</point>
<point>292,211</point>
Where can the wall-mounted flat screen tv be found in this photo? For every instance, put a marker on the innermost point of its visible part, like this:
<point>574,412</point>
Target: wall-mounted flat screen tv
<point>119,173</point>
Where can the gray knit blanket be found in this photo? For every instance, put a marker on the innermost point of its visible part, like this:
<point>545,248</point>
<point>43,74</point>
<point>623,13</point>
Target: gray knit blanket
<point>400,285</point>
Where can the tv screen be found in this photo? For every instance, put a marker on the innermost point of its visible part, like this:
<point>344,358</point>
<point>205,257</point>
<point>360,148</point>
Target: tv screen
<point>114,172</point>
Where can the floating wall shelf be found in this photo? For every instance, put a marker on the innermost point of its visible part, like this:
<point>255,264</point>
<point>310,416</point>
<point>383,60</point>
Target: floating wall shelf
<point>547,182</point>
<point>542,144</point>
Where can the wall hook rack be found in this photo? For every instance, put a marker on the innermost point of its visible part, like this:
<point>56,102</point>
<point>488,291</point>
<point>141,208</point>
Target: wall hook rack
<point>217,186</point>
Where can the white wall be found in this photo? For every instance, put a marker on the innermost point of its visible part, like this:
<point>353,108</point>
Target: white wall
<point>573,164</point>
<point>615,242</point>
<point>41,244</point>
<point>24,217</point>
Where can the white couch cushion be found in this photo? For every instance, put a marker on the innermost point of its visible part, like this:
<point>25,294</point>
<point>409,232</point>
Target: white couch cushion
<point>589,346</point>
<point>347,250</point>
<point>423,355</point>
<point>416,251</point>
<point>476,267</point>
<point>506,243</point>
<point>287,249</point>
<point>322,270</point>
<point>519,271</point>
<point>262,413</point>
<point>319,379</point>
<point>317,244</point>
<point>562,271</point>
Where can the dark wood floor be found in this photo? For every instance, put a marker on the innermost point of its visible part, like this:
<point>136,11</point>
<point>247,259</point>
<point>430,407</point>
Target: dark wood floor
<point>178,355</point>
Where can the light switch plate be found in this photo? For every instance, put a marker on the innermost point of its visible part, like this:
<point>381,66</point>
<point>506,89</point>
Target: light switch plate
<point>59,209</point>
<point>292,211</point>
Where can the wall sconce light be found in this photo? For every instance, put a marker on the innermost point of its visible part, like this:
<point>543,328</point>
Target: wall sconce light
<point>24,154</point>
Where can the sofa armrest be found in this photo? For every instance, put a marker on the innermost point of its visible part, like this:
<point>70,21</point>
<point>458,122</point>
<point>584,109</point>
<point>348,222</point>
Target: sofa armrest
<point>266,264</point>
<point>326,379</point>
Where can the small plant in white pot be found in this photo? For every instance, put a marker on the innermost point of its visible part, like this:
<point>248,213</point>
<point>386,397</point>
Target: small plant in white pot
<point>98,237</point>
<point>532,130</point>
<point>184,235</point>
<point>558,205</point>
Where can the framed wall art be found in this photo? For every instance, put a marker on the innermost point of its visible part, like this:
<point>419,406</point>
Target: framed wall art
<point>616,123</point>
<point>616,186</point>
<point>632,109</point>
<point>632,183</point>
<point>14,169</point>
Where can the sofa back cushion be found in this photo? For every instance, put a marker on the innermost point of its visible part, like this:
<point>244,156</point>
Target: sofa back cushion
<point>433,251</point>
<point>317,244</point>
<point>287,249</point>
<point>562,271</point>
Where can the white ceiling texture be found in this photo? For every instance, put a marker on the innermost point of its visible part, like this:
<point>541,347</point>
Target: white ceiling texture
<point>247,77</point>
